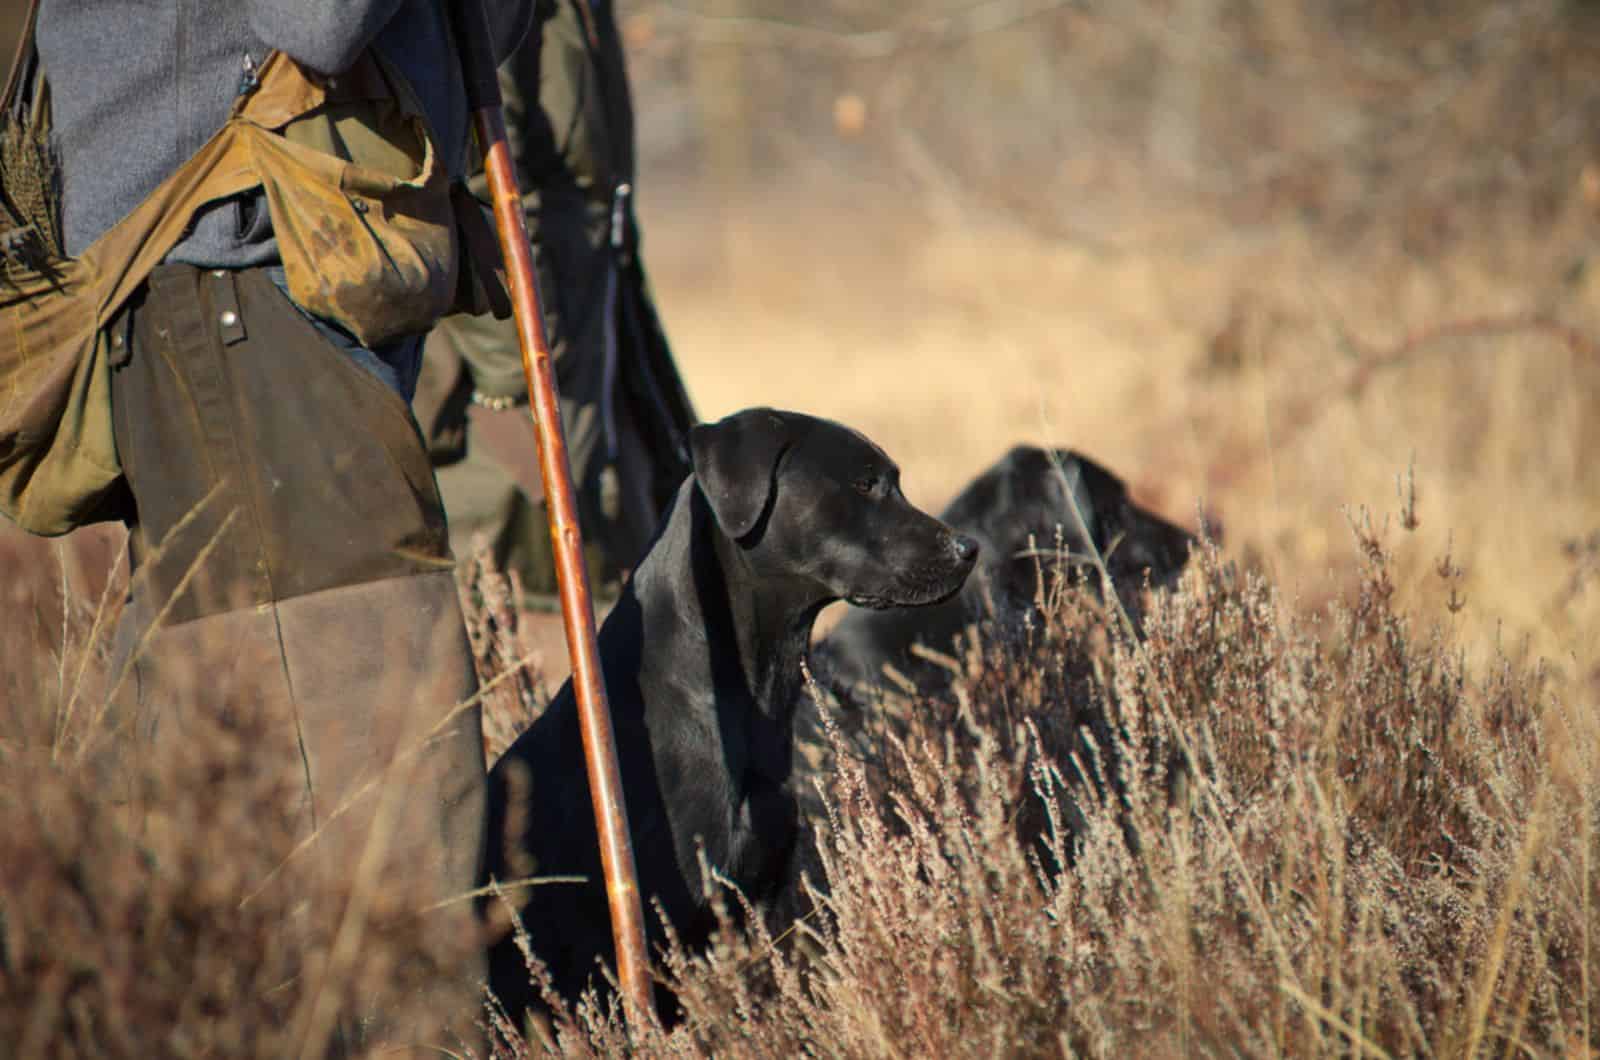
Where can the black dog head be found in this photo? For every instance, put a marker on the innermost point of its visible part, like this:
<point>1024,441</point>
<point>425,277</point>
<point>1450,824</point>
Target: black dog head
<point>811,500</point>
<point>1018,506</point>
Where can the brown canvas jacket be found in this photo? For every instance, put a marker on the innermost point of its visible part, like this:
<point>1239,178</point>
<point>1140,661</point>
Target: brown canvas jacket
<point>372,246</point>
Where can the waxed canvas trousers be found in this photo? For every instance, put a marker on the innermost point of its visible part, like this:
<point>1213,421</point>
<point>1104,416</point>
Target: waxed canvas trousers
<point>290,557</point>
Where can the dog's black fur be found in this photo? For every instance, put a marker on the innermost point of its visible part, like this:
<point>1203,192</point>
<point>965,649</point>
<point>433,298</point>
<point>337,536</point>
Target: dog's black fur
<point>1027,494</point>
<point>783,514</point>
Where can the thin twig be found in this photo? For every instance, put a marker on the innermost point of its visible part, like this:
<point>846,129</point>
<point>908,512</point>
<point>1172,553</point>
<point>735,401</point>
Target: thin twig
<point>493,890</point>
<point>1304,411</point>
<point>988,16</point>
<point>1363,1044</point>
<point>64,718</point>
<point>166,608</point>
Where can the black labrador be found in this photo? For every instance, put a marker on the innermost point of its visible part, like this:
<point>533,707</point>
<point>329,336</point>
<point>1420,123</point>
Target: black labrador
<point>1014,510</point>
<point>783,514</point>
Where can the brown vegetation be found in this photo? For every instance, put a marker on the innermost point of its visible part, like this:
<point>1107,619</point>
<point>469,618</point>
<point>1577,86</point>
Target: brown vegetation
<point>1283,264</point>
<point>1316,835</point>
<point>169,904</point>
<point>1312,833</point>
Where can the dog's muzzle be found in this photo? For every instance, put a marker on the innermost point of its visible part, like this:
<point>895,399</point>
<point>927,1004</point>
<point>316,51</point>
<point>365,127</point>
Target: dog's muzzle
<point>927,583</point>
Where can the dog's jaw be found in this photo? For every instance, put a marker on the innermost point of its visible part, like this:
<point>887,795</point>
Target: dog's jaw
<point>920,597</point>
<point>920,586</point>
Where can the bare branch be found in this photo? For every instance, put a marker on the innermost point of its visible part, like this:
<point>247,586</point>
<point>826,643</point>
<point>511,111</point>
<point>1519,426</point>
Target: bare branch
<point>927,31</point>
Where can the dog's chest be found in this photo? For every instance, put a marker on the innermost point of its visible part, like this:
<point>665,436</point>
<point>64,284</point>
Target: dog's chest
<point>713,763</point>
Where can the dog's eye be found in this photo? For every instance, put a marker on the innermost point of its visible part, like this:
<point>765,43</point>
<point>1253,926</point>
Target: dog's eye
<point>866,485</point>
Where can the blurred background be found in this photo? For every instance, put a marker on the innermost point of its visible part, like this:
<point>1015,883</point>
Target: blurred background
<point>1281,264</point>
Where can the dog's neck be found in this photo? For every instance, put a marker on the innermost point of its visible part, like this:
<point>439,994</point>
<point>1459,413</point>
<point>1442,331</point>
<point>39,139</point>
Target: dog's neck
<point>771,621</point>
<point>751,632</point>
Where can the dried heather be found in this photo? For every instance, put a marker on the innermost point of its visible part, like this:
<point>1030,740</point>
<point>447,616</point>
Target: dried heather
<point>1254,831</point>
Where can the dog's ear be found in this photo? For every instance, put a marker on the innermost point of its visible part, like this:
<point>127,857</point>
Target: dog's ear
<point>1093,490</point>
<point>1104,488</point>
<point>735,461</point>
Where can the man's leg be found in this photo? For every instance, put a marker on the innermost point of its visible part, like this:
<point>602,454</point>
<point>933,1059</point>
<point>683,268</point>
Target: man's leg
<point>287,512</point>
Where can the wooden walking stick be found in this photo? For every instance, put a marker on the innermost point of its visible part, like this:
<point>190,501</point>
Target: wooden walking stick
<point>572,577</point>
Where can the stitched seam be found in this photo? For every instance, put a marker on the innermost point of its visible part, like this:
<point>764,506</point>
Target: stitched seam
<point>294,705</point>
<point>198,329</point>
<point>251,483</point>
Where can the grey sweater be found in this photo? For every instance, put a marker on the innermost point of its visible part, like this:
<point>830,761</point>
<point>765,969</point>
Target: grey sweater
<point>137,86</point>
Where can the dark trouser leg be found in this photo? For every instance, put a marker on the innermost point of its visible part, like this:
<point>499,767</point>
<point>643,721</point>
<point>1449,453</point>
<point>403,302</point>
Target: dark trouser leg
<point>291,547</point>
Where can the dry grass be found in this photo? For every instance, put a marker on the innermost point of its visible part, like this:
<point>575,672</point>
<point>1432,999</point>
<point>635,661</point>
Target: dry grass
<point>1344,792</point>
<point>167,903</point>
<point>1309,832</point>
<point>1312,834</point>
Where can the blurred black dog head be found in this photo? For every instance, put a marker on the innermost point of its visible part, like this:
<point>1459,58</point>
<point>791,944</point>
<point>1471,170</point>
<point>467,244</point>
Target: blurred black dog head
<point>1036,515</point>
<point>1037,505</point>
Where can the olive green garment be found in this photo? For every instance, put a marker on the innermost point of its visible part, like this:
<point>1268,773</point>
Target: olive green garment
<point>489,480</point>
<point>10,30</point>
<point>626,415</point>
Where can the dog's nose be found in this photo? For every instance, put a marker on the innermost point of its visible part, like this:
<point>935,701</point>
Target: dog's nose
<point>965,548</point>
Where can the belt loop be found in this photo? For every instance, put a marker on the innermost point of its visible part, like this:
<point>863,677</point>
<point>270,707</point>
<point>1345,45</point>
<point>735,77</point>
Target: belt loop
<point>225,302</point>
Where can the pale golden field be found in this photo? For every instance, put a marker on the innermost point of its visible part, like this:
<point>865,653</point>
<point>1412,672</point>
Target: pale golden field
<point>1214,377</point>
<point>1177,237</point>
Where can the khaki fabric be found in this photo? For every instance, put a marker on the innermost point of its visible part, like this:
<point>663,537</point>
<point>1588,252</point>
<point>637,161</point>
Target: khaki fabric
<point>371,246</point>
<point>373,252</point>
<point>624,407</point>
<point>12,23</point>
<point>495,499</point>
<point>357,677</point>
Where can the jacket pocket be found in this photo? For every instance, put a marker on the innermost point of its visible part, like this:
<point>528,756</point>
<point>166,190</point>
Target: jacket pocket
<point>361,206</point>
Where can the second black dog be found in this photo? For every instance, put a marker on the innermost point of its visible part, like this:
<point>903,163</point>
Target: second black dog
<point>783,514</point>
<point>1015,510</point>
